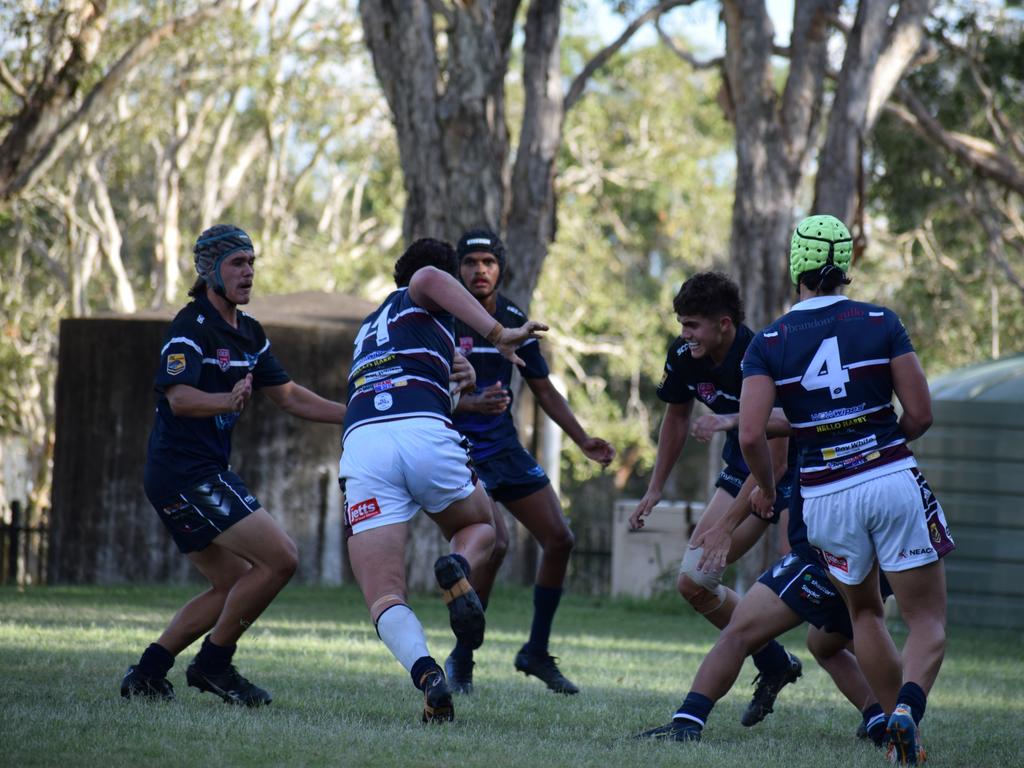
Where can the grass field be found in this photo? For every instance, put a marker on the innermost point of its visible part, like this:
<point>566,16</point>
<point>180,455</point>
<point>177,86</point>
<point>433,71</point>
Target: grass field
<point>341,700</point>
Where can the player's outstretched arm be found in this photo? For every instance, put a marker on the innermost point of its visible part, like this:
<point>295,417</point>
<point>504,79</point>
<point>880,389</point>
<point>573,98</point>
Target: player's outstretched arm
<point>298,401</point>
<point>435,290</point>
<point>555,406</point>
<point>193,403</point>
<point>675,426</point>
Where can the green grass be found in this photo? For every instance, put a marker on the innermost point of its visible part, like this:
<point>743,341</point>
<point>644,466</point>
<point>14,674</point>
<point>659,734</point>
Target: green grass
<point>341,700</point>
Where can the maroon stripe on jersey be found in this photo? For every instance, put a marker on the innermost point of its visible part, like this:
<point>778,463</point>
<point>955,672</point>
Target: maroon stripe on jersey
<point>838,472</point>
<point>867,371</point>
<point>421,318</point>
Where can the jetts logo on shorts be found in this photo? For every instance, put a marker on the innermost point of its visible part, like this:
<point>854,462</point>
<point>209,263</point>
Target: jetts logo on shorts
<point>707,392</point>
<point>465,344</point>
<point>175,364</point>
<point>223,359</point>
<point>834,561</point>
<point>363,510</point>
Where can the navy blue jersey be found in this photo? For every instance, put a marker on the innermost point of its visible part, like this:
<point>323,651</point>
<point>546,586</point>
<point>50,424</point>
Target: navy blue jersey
<point>202,350</point>
<point>401,364</point>
<point>717,386</point>
<point>490,434</point>
<point>829,358</point>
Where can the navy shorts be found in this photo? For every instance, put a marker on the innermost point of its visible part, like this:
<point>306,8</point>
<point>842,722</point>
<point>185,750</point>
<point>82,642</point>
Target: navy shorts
<point>511,475</point>
<point>198,515</point>
<point>803,584</point>
<point>732,478</point>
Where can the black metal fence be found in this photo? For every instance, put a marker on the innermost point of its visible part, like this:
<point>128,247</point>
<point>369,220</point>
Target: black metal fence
<point>24,544</point>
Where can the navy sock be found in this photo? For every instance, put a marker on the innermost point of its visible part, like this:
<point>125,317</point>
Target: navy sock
<point>771,658</point>
<point>420,667</point>
<point>464,652</point>
<point>696,707</point>
<point>156,661</point>
<point>545,603</point>
<point>874,722</point>
<point>214,658</point>
<point>462,562</point>
<point>914,697</point>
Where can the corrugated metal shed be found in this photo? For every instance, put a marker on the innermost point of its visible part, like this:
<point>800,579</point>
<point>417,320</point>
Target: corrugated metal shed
<point>973,457</point>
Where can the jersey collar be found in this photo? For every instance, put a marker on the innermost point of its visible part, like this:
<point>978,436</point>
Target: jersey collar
<point>817,302</point>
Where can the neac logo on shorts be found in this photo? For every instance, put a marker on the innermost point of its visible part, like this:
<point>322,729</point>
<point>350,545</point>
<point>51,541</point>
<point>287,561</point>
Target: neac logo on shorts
<point>223,359</point>
<point>915,552</point>
<point>175,364</point>
<point>834,561</point>
<point>363,510</point>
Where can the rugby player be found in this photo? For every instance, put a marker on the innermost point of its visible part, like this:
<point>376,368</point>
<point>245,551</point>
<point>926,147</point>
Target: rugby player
<point>401,452</point>
<point>508,472</point>
<point>834,364</point>
<point>213,358</point>
<point>703,364</point>
<point>796,589</point>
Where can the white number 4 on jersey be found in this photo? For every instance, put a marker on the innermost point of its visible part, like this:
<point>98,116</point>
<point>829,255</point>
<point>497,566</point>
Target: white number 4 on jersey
<point>826,370</point>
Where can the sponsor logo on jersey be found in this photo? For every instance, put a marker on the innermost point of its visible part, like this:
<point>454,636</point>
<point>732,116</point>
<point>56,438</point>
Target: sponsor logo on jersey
<point>383,373</point>
<point>466,344</point>
<point>837,413</point>
<point>383,386</point>
<point>841,424</point>
<point>363,510</point>
<point>852,462</point>
<point>707,392</point>
<point>383,401</point>
<point>915,552</point>
<point>175,364</point>
<point>835,561</point>
<point>223,359</point>
<point>251,359</point>
<point>845,449</point>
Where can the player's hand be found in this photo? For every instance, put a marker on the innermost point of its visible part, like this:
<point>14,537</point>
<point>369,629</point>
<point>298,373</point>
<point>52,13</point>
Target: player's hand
<point>643,509</point>
<point>763,502</point>
<point>716,542</point>
<point>511,339</point>
<point>704,428</point>
<point>241,393</point>
<point>596,449</point>
<point>491,400</point>
<point>463,376</point>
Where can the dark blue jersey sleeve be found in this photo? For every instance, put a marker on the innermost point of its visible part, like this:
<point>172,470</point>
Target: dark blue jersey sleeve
<point>898,335</point>
<point>536,367</point>
<point>673,387</point>
<point>268,372</point>
<point>181,361</point>
<point>755,361</point>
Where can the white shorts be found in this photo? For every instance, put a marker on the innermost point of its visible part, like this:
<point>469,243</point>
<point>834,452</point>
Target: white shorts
<point>893,518</point>
<point>390,471</point>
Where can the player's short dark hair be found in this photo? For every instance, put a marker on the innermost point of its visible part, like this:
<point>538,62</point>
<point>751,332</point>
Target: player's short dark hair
<point>711,295</point>
<point>825,279</point>
<point>425,252</point>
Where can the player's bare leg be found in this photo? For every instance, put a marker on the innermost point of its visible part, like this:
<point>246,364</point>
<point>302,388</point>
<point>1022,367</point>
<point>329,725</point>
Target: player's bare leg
<point>541,514</point>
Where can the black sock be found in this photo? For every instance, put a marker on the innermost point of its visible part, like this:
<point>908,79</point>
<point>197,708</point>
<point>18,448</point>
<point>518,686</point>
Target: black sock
<point>420,667</point>
<point>214,658</point>
<point>771,658</point>
<point>462,562</point>
<point>156,661</point>
<point>874,722</point>
<point>914,697</point>
<point>545,603</point>
<point>696,707</point>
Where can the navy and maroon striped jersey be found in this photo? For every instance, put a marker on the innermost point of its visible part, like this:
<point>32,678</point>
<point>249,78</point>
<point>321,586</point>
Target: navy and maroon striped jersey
<point>401,364</point>
<point>829,358</point>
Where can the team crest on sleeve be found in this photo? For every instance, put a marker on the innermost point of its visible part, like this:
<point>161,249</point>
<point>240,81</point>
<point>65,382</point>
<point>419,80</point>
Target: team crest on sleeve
<point>223,359</point>
<point>465,344</point>
<point>175,364</point>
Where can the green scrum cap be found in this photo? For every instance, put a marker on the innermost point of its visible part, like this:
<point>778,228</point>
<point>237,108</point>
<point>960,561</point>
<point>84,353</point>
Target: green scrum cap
<point>817,241</point>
